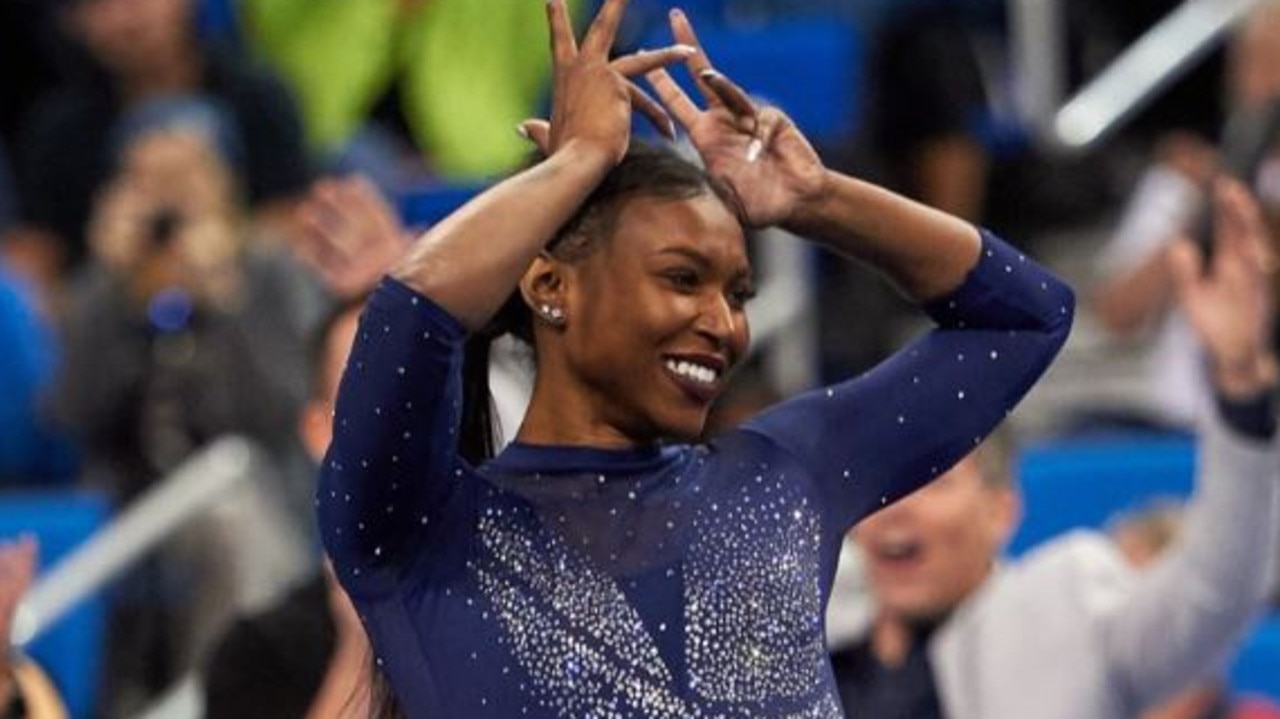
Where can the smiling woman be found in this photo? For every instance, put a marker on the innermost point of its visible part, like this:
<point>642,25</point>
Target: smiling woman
<point>602,565</point>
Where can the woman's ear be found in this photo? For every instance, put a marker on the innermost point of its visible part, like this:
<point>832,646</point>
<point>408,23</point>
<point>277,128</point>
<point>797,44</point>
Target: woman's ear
<point>543,289</point>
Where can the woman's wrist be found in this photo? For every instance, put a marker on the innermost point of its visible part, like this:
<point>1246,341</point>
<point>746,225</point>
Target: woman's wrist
<point>1244,377</point>
<point>592,160</point>
<point>809,211</point>
<point>926,252</point>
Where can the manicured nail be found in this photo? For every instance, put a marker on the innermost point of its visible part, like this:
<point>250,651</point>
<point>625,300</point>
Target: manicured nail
<point>686,50</point>
<point>754,149</point>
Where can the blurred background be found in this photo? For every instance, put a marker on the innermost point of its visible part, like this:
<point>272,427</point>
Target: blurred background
<point>176,222</point>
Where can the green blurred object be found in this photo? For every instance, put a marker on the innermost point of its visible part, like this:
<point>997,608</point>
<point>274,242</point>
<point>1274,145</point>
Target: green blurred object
<point>469,71</point>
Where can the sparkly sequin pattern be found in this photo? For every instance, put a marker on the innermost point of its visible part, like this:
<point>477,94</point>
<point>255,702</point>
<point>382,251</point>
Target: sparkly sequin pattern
<point>570,627</point>
<point>752,597</point>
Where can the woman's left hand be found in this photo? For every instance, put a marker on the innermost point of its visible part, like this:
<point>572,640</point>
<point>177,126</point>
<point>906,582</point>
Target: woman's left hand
<point>758,152</point>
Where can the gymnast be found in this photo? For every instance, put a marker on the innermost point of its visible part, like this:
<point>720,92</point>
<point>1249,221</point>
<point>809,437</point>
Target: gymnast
<point>606,563</point>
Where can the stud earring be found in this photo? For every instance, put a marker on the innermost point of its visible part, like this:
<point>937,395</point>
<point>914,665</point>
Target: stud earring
<point>554,315</point>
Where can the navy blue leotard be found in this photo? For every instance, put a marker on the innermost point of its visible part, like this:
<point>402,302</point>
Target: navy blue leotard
<point>667,581</point>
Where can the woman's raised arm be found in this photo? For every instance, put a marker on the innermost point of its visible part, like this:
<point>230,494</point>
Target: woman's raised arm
<point>470,262</point>
<point>779,180</point>
<point>1001,317</point>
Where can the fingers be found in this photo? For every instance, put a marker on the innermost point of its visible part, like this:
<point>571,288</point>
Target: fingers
<point>327,223</point>
<point>652,110</point>
<point>604,28</point>
<point>682,29</point>
<point>370,206</point>
<point>563,47</point>
<point>1185,267</point>
<point>729,94</point>
<point>538,132</point>
<point>769,122</point>
<point>673,97</point>
<point>1241,230</point>
<point>646,60</point>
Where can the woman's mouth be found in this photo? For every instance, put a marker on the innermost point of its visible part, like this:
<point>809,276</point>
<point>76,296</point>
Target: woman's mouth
<point>698,380</point>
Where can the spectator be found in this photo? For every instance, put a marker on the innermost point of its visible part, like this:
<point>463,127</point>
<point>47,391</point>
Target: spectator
<point>1134,296</point>
<point>303,657</point>
<point>141,51</point>
<point>1072,630</point>
<point>181,331</point>
<point>1142,538</point>
<point>926,96</point>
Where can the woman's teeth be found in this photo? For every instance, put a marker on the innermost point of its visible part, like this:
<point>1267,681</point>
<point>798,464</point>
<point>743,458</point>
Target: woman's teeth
<point>695,372</point>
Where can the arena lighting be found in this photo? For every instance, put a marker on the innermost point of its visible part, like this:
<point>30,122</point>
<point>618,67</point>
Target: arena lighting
<point>1155,60</point>
<point>194,487</point>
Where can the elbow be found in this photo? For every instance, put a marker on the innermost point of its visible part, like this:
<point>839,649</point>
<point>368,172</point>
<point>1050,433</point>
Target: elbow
<point>1062,314</point>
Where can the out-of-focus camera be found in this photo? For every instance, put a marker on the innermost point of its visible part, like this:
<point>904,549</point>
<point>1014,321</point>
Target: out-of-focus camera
<point>163,226</point>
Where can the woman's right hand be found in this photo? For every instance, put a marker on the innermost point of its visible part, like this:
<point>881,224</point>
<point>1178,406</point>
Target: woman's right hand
<point>587,135</point>
<point>592,97</point>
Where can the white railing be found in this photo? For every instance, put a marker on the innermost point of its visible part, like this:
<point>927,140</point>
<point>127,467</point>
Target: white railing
<point>197,485</point>
<point>1129,83</point>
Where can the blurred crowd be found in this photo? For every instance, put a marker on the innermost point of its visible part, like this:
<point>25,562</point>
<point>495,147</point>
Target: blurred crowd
<point>195,196</point>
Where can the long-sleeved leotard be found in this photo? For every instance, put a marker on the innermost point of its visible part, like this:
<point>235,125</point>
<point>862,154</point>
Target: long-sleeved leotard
<point>674,581</point>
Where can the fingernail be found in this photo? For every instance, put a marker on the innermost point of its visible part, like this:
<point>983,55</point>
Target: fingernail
<point>523,132</point>
<point>708,74</point>
<point>676,12</point>
<point>754,149</point>
<point>683,49</point>
<point>671,129</point>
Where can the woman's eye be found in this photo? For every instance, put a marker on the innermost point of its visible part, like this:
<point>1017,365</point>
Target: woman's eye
<point>682,279</point>
<point>740,298</point>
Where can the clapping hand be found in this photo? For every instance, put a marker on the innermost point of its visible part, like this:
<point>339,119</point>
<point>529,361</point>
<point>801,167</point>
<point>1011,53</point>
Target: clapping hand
<point>758,152</point>
<point>1229,302</point>
<point>349,235</point>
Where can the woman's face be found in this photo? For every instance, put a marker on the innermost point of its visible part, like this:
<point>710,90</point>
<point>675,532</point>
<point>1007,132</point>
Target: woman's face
<point>129,36</point>
<point>656,316</point>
